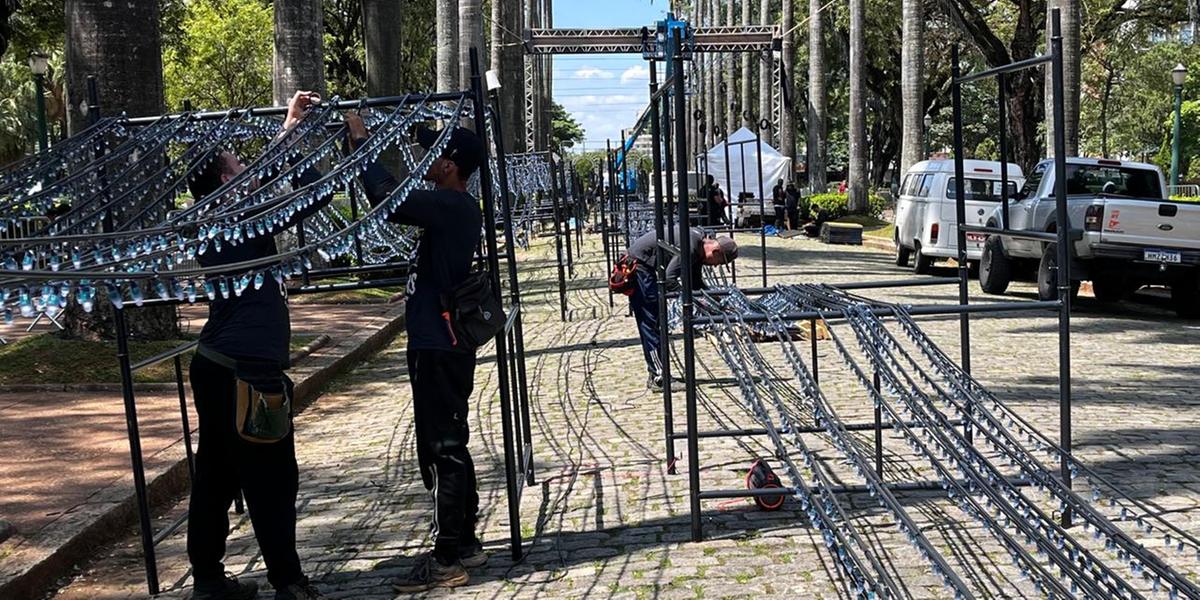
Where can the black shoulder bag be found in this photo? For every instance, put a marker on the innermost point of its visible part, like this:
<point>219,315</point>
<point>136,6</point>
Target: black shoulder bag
<point>472,312</point>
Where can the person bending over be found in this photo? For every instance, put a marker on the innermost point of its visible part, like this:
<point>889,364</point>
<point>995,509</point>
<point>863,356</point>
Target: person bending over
<point>644,299</point>
<point>441,372</point>
<point>243,351</point>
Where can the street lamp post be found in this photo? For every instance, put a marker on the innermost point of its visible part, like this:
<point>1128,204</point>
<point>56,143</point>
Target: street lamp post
<point>38,63</point>
<point>1178,76</point>
<point>928,137</point>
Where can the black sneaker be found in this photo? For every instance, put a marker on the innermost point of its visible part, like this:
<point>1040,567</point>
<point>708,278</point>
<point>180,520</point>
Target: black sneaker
<point>654,382</point>
<point>472,555</point>
<point>301,590</point>
<point>226,588</point>
<point>430,574</point>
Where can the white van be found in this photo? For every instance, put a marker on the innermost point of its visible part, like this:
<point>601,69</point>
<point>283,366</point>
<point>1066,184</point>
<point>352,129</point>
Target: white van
<point>926,217</point>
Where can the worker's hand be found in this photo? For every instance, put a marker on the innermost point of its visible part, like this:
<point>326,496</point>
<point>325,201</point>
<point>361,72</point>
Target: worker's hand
<point>298,107</point>
<point>358,129</point>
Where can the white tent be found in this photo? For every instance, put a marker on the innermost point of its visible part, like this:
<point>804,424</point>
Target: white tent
<point>743,166</point>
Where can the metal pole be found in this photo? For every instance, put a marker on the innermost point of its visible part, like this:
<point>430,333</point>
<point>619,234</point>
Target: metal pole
<point>878,432</point>
<point>352,192</point>
<point>187,426</point>
<point>660,273</point>
<point>604,202</point>
<point>729,201</point>
<point>668,153</point>
<point>762,204</point>
<point>514,289</point>
<point>489,216</point>
<point>39,82</point>
<point>135,450</point>
<point>1064,257</point>
<point>816,370</point>
<point>960,210</point>
<point>1175,135</point>
<point>558,248</point>
<point>1002,125</point>
<point>685,257</point>
<point>625,187</point>
<point>564,185</point>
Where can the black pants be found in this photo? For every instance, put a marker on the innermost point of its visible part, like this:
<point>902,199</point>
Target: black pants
<point>644,304</point>
<point>780,223</point>
<point>442,383</point>
<point>266,474</point>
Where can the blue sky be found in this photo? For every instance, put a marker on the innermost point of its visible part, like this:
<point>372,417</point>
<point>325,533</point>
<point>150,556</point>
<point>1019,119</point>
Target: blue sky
<point>605,93</point>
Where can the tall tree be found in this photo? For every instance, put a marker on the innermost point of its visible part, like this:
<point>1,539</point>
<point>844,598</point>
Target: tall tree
<point>470,33</point>
<point>383,21</point>
<point>1070,21</point>
<point>766,69</point>
<point>712,109</point>
<point>299,48</point>
<point>507,61</point>
<point>447,45</point>
<point>857,178</point>
<point>747,75</point>
<point>787,95</point>
<point>730,70</point>
<point>129,78</point>
<point>912,83</point>
<point>816,151</point>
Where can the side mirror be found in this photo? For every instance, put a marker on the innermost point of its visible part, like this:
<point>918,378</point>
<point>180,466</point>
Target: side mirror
<point>1018,196</point>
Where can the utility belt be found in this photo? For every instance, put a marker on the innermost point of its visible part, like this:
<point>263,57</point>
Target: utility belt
<point>263,413</point>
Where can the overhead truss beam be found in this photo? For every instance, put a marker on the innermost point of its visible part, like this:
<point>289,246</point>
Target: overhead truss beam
<point>635,40</point>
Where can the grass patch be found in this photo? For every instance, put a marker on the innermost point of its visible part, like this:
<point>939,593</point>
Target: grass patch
<point>50,359</point>
<point>872,226</point>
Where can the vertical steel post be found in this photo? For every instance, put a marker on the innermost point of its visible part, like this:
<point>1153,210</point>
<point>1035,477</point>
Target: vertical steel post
<point>625,187</point>
<point>668,154</point>
<point>352,192</point>
<point>660,273</point>
<point>685,257</point>
<point>816,365</point>
<point>135,450</point>
<point>1064,256</point>
<point>762,204</point>
<point>604,203</point>
<point>960,211</point>
<point>558,246</point>
<point>489,218</point>
<point>565,186</point>
<point>729,205</point>
<point>39,81</point>
<point>878,430</point>
<point>187,425</point>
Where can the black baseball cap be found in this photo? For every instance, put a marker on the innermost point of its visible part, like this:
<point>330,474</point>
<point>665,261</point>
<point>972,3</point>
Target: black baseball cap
<point>465,148</point>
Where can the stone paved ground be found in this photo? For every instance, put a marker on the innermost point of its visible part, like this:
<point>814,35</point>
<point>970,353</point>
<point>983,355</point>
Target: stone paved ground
<point>606,520</point>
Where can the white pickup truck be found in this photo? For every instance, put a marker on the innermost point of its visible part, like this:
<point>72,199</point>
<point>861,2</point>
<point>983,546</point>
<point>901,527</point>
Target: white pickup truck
<point>1127,233</point>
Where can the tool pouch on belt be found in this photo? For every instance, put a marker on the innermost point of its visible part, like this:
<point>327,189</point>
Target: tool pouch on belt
<point>623,279</point>
<point>264,403</point>
<point>762,477</point>
<point>472,311</point>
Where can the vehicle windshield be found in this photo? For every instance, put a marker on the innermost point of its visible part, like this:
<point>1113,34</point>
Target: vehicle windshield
<point>1114,180</point>
<point>981,190</point>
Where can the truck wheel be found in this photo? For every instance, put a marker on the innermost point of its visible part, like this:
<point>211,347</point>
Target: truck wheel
<point>995,269</point>
<point>902,255</point>
<point>1047,275</point>
<point>1185,297</point>
<point>1111,288</point>
<point>922,265</point>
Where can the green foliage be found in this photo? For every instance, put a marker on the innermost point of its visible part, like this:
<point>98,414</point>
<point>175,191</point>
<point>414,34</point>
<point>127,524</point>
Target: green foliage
<point>345,54</point>
<point>18,119</point>
<point>837,204</point>
<point>1189,136</point>
<point>223,58</point>
<point>565,131</point>
<point>1195,199</point>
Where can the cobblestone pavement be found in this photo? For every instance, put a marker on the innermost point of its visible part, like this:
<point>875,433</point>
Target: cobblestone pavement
<point>604,518</point>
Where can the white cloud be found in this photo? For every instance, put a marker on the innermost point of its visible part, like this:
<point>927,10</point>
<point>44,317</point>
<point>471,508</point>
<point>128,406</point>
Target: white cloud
<point>635,73</point>
<point>589,72</point>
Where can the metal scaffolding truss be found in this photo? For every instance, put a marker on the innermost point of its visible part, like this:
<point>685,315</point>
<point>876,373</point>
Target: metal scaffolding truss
<point>641,40</point>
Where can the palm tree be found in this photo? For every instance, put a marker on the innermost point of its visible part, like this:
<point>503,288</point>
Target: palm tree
<point>447,45</point>
<point>470,33</point>
<point>712,15</point>
<point>299,48</point>
<point>857,179</point>
<point>787,113</point>
<point>129,78</point>
<point>817,166</point>
<point>765,67</point>
<point>912,84</point>
<point>507,60</point>
<point>747,69</point>
<point>731,96</point>
<point>1071,74</point>
<point>382,20</point>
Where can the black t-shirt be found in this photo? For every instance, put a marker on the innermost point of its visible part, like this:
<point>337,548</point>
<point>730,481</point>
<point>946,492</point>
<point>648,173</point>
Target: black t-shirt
<point>253,326</point>
<point>450,224</point>
<point>777,195</point>
<point>643,250</point>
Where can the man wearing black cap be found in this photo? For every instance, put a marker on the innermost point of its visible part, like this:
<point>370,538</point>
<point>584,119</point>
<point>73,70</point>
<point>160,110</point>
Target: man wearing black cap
<point>442,373</point>
<point>644,299</point>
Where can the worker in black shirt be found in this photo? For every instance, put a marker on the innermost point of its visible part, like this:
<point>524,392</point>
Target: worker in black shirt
<point>644,299</point>
<point>778,201</point>
<point>245,343</point>
<point>441,372</point>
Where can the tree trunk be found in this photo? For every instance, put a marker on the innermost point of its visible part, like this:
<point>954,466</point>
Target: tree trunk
<point>470,33</point>
<point>382,26</point>
<point>507,59</point>
<point>817,164</point>
<point>299,49</point>
<point>787,96</point>
<point>767,72</point>
<point>912,84</point>
<point>857,179</point>
<point>447,45</point>
<point>730,70</point>
<point>1105,101</point>
<point>713,110</point>
<point>128,71</point>
<point>747,75</point>
<point>1071,75</point>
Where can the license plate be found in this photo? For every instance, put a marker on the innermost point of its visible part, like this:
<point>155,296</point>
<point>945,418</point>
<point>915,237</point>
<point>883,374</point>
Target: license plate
<point>976,237</point>
<point>1162,256</point>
